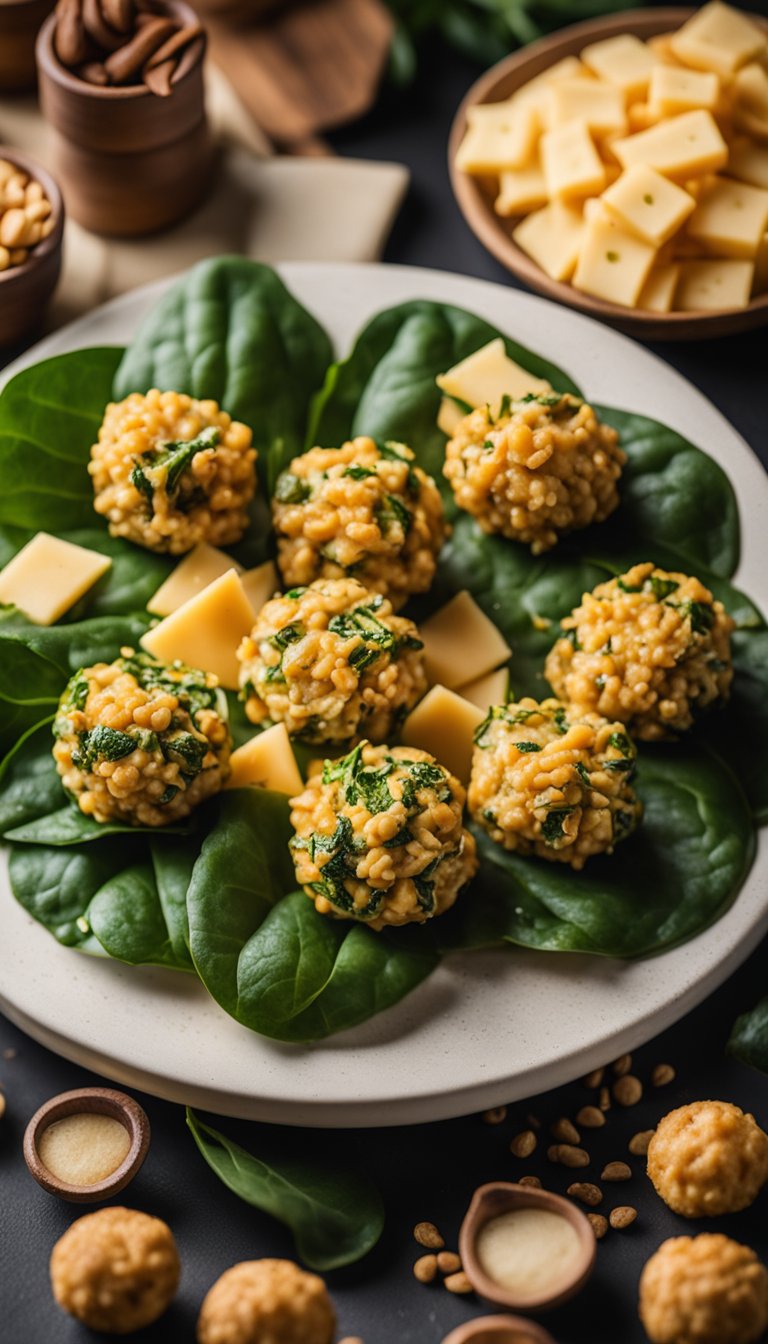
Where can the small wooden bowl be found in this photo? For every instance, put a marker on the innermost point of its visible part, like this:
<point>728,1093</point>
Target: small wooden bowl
<point>26,289</point>
<point>489,1201</point>
<point>499,1330</point>
<point>96,1101</point>
<point>475,196</point>
<point>19,24</point>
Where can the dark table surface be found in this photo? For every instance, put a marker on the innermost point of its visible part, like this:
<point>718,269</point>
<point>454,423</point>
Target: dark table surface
<point>426,1172</point>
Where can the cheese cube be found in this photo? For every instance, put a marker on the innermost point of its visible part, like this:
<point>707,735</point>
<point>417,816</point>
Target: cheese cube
<point>600,107</point>
<point>682,147</point>
<point>749,163</point>
<point>448,416</point>
<point>624,61</point>
<point>648,203</point>
<point>552,237</point>
<point>483,378</point>
<point>460,643</point>
<point>205,632</point>
<point>48,576</point>
<point>712,285</point>
<point>199,568</point>
<point>718,38</point>
<point>673,90</point>
<point>660,45</point>
<point>492,689</point>
<point>613,264</point>
<point>639,117</point>
<point>260,584</point>
<point>521,190</point>
<point>444,724</point>
<point>658,292</point>
<point>571,164</point>
<point>266,761</point>
<point>497,137</point>
<point>750,99</point>
<point>535,94</point>
<point>730,219</point>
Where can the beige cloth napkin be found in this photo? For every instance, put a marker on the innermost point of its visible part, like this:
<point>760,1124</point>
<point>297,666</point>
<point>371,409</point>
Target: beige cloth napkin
<point>272,209</point>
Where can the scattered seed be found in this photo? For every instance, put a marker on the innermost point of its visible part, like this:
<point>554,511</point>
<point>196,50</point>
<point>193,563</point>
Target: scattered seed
<point>564,1131</point>
<point>533,1181</point>
<point>599,1225</point>
<point>623,1216</point>
<point>427,1235</point>
<point>448,1262</point>
<point>351,1339</point>
<point>662,1074</point>
<point>458,1283</point>
<point>590,1117</point>
<point>617,1171</point>
<point>605,1099</point>
<point>586,1193</point>
<point>533,1120</point>
<point>523,1144</point>
<point>567,1155</point>
<point>2,1105</point>
<point>622,1065</point>
<point>638,1144</point>
<point>627,1090</point>
<point>425,1268</point>
<point>495,1116</point>
<point>594,1079</point>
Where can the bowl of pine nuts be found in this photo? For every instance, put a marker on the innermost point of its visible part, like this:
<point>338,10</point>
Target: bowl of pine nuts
<point>31,230</point>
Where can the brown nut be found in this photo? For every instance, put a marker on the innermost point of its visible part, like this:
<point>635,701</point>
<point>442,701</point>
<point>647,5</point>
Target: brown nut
<point>2,1094</point>
<point>623,1216</point>
<point>5,261</point>
<point>662,1075</point>
<point>496,1116</point>
<point>174,44</point>
<point>532,1181</point>
<point>605,1099</point>
<point>158,78</point>
<point>129,59</point>
<point>104,36</point>
<point>590,1117</point>
<point>599,1225</point>
<point>448,1262</point>
<point>586,1193</point>
<point>118,14</point>
<point>189,58</point>
<point>567,1155</point>
<point>616,1171</point>
<point>70,40</point>
<point>594,1079</point>
<point>564,1131</point>
<point>427,1235</point>
<point>19,255</point>
<point>13,228</point>
<point>93,72</point>
<point>627,1090</point>
<point>638,1144</point>
<point>458,1283</point>
<point>425,1268</point>
<point>622,1065</point>
<point>523,1144</point>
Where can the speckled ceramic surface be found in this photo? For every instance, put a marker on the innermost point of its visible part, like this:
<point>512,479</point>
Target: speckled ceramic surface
<point>487,1027</point>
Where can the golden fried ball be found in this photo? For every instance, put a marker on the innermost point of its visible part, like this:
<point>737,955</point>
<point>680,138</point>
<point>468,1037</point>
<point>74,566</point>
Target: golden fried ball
<point>548,782</point>
<point>379,837</point>
<point>539,468</point>
<point>363,510</point>
<point>115,1270</point>
<point>708,1158</point>
<point>169,472</point>
<point>267,1302</point>
<point>333,663</point>
<point>140,741</point>
<point>704,1290</point>
<point>650,648</point>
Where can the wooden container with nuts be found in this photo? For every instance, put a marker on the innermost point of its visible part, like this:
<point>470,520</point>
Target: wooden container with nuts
<point>31,228</point>
<point>121,84</point>
<point>19,24</point>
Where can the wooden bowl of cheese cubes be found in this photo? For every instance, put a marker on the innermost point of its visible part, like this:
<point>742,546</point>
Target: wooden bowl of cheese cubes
<point>621,166</point>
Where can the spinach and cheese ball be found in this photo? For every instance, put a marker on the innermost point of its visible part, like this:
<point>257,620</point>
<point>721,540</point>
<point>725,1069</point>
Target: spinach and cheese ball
<point>333,663</point>
<point>547,782</point>
<point>707,1159</point>
<point>140,741</point>
<point>704,1290</point>
<point>116,1270</point>
<point>541,467</point>
<point>267,1302</point>
<point>169,472</point>
<point>363,510</point>
<point>650,648</point>
<point>379,837</point>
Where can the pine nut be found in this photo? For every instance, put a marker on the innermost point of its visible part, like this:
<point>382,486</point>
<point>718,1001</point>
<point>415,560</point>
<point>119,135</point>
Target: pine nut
<point>586,1193</point>
<point>523,1144</point>
<point>5,258</point>
<point>426,1234</point>
<point>616,1171</point>
<point>568,1156</point>
<point>605,1099</point>
<point>33,192</point>
<point>662,1074</point>
<point>599,1225</point>
<point>590,1117</point>
<point>622,1065</point>
<point>623,1216</point>
<point>627,1090</point>
<point>496,1116</point>
<point>36,211</point>
<point>425,1268</point>
<point>448,1262</point>
<point>2,1105</point>
<point>18,256</point>
<point>564,1131</point>
<point>594,1079</point>
<point>458,1283</point>
<point>12,227</point>
<point>532,1181</point>
<point>638,1144</point>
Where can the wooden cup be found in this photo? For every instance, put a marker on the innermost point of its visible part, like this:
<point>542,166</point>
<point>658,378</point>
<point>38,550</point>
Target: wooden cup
<point>19,24</point>
<point>26,289</point>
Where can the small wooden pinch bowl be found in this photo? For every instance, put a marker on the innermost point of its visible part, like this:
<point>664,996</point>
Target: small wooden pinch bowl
<point>475,196</point>
<point>499,1330</point>
<point>96,1101</point>
<point>489,1201</point>
<point>26,289</point>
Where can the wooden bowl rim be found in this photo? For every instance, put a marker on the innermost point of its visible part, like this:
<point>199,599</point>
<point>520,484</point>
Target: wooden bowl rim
<point>497,1197</point>
<point>47,246</point>
<point>94,1101</point>
<point>499,1326</point>
<point>488,228</point>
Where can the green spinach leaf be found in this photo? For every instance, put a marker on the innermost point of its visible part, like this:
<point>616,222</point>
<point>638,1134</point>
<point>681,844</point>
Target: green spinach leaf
<point>749,1038</point>
<point>30,786</point>
<point>127,917</point>
<point>55,886</point>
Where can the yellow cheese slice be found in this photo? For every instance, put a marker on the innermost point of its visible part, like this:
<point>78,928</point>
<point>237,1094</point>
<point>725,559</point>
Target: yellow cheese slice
<point>673,90</point>
<point>749,163</point>
<point>489,374</point>
<point>48,576</point>
<point>492,689</point>
<point>614,263</point>
<point>682,147</point>
<point>639,117</point>
<point>718,38</point>
<point>199,568</point>
<point>521,190</point>
<point>552,237</point>
<point>260,584</point>
<point>266,761</point>
<point>730,219</point>
<point>460,643</point>
<point>624,61</point>
<point>205,632</point>
<point>570,162</point>
<point>449,416</point>
<point>444,724</point>
<point>712,285</point>
<point>660,45</point>
<point>658,292</point>
<point>648,203</point>
<point>535,94</point>
<point>750,99</point>
<point>498,136</point>
<point>598,106</point>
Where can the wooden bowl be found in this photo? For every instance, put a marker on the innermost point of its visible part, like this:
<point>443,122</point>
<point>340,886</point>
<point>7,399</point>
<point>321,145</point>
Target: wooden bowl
<point>26,289</point>
<point>475,197</point>
<point>19,24</point>
<point>489,1201</point>
<point>499,1330</point>
<point>96,1101</point>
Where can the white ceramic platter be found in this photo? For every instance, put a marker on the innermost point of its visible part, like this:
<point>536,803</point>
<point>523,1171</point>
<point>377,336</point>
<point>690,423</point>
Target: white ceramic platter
<point>487,1027</point>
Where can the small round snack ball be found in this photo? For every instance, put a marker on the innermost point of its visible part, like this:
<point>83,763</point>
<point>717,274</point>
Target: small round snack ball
<point>704,1290</point>
<point>141,741</point>
<point>548,782</point>
<point>708,1158</point>
<point>363,509</point>
<point>379,837</point>
<point>169,472</point>
<point>649,648</point>
<point>267,1302</point>
<point>539,468</point>
<point>115,1270</point>
<point>333,663</point>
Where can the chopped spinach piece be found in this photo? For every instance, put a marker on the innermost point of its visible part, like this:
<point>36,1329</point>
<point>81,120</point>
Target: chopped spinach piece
<point>572,637</point>
<point>700,614</point>
<point>102,744</point>
<point>359,473</point>
<point>424,882</point>
<point>168,795</point>
<point>392,510</point>
<point>170,461</point>
<point>552,826</point>
<point>543,398</point>
<point>621,742</point>
<point>186,751</point>
<point>291,489</point>
<point>661,588</point>
<point>528,746</point>
<point>362,623</point>
<point>559,719</point>
<point>628,587</point>
<point>392,452</point>
<point>583,773</point>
